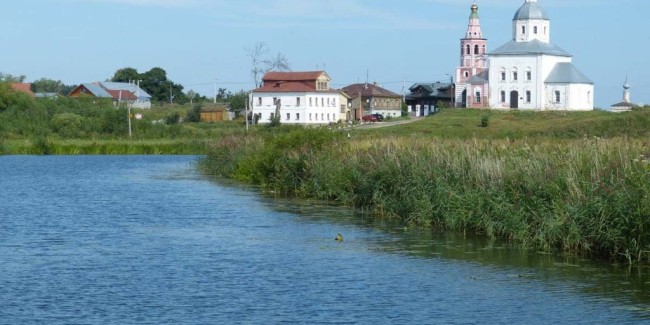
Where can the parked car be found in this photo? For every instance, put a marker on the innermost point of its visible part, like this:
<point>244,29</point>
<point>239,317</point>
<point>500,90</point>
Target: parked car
<point>369,118</point>
<point>379,117</point>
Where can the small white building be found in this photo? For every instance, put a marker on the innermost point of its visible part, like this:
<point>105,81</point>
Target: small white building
<point>298,98</point>
<point>531,73</point>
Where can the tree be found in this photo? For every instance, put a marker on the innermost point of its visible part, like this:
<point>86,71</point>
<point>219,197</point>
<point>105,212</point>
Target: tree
<point>5,77</point>
<point>261,62</point>
<point>126,75</point>
<point>238,100</point>
<point>45,85</point>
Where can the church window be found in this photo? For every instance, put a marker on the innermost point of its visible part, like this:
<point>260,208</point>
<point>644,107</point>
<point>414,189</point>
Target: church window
<point>503,74</point>
<point>515,75</point>
<point>503,96</point>
<point>468,49</point>
<point>544,30</point>
<point>523,30</point>
<point>528,96</point>
<point>557,96</point>
<point>466,74</point>
<point>529,75</point>
<point>483,48</point>
<point>535,30</point>
<point>478,96</point>
<point>476,49</point>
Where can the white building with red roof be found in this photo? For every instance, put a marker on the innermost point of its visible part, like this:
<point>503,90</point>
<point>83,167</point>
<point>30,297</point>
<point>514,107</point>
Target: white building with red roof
<point>298,98</point>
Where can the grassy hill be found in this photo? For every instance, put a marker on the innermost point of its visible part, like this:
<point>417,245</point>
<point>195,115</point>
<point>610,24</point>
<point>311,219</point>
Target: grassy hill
<point>467,124</point>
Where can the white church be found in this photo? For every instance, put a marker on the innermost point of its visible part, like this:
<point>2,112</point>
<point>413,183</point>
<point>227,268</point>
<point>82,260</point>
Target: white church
<point>529,72</point>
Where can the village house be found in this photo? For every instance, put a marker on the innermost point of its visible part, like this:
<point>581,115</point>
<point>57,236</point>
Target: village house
<point>118,92</point>
<point>425,99</point>
<point>369,98</point>
<point>297,98</point>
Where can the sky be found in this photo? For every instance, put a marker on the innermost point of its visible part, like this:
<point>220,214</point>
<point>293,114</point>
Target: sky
<point>395,43</point>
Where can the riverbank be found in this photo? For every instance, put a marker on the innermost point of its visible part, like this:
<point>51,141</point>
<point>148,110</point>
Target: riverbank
<point>47,146</point>
<point>584,195</point>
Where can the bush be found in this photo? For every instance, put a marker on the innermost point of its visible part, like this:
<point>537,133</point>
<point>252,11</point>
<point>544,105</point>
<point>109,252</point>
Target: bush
<point>194,115</point>
<point>485,121</point>
<point>173,118</point>
<point>68,125</point>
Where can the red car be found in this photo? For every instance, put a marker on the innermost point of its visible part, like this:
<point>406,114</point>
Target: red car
<point>369,118</point>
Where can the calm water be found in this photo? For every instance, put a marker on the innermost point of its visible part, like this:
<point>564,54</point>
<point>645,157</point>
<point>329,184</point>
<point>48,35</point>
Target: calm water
<point>146,240</point>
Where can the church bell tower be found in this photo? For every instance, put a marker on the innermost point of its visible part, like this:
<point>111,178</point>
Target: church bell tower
<point>473,56</point>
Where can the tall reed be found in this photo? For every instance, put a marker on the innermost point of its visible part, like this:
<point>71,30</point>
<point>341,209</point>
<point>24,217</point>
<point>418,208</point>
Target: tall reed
<point>588,196</point>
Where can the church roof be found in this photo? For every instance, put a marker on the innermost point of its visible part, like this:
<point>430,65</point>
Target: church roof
<point>480,79</point>
<point>531,10</point>
<point>528,48</point>
<point>567,73</point>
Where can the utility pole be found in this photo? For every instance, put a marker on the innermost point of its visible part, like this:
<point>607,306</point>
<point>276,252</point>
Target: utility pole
<point>171,96</point>
<point>246,114</point>
<point>215,91</point>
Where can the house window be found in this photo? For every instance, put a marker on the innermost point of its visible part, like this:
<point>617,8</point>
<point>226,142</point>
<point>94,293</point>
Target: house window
<point>503,96</point>
<point>272,115</point>
<point>322,85</point>
<point>328,116</point>
<point>297,116</point>
<point>478,96</point>
<point>316,116</point>
<point>297,101</point>
<point>288,116</point>
<point>528,96</point>
<point>310,102</point>
<point>310,116</point>
<point>322,116</point>
<point>322,102</point>
<point>557,96</point>
<point>259,101</point>
<point>316,102</point>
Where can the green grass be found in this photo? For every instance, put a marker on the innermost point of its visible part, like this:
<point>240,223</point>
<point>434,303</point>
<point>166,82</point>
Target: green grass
<point>466,124</point>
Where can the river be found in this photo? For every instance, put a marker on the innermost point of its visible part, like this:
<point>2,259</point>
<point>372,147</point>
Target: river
<point>148,240</point>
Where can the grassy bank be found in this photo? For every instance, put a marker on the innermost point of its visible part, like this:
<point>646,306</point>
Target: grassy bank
<point>574,194</point>
<point>46,146</point>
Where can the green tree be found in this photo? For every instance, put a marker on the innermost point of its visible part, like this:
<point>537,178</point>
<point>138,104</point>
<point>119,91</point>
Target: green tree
<point>237,101</point>
<point>126,75</point>
<point>5,77</point>
<point>45,85</point>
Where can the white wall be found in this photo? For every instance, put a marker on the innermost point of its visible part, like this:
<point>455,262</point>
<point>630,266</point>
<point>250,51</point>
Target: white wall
<point>322,109</point>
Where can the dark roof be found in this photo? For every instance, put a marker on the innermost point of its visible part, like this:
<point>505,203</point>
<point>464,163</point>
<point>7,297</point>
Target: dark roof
<point>528,48</point>
<point>437,89</point>
<point>122,94</point>
<point>368,90</point>
<point>567,73</point>
<point>624,104</point>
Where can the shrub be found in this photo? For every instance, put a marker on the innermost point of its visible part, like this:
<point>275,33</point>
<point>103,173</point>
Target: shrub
<point>68,125</point>
<point>485,121</point>
<point>173,118</point>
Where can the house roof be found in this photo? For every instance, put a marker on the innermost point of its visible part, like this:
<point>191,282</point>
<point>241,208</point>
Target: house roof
<point>567,73</point>
<point>368,90</point>
<point>133,88</point>
<point>437,89</point>
<point>534,47</point>
<point>292,82</point>
<point>23,88</point>
<point>624,104</point>
<point>480,79</point>
<point>122,94</point>
<point>293,76</point>
<point>46,95</point>
<point>95,89</point>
